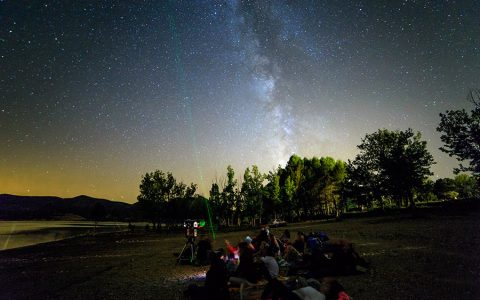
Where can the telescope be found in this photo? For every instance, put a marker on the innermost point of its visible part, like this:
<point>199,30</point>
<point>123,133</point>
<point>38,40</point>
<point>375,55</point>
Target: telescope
<point>191,233</point>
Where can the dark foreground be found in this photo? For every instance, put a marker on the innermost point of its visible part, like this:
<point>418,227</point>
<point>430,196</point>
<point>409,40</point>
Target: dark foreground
<point>424,257</point>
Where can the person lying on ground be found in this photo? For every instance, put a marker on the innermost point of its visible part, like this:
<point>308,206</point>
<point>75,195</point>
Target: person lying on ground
<point>336,257</point>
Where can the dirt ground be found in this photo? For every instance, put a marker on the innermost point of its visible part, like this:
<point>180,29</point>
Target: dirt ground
<point>423,257</point>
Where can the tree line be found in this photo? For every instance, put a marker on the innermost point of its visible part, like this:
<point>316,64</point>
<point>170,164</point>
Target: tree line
<point>392,169</point>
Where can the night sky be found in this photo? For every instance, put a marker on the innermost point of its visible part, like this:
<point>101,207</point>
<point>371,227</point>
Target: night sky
<point>93,94</point>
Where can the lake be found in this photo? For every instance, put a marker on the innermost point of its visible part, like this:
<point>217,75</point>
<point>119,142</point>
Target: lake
<point>14,234</point>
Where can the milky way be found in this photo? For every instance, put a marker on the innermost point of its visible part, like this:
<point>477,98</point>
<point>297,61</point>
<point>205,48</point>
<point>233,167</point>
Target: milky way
<point>94,94</point>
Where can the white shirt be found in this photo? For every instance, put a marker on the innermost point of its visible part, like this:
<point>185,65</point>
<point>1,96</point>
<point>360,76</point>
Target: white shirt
<point>271,265</point>
<point>309,293</point>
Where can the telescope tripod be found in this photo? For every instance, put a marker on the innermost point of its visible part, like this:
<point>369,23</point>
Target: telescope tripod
<point>188,247</point>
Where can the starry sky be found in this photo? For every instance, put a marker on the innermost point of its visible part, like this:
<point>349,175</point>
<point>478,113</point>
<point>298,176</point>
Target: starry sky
<point>93,94</point>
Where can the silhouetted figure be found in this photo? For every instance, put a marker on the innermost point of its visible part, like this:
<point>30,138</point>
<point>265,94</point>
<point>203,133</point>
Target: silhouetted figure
<point>301,289</point>
<point>131,227</point>
<point>285,238</point>
<point>204,248</point>
<point>333,290</point>
<point>263,236</point>
<point>246,268</point>
<point>216,283</point>
<point>274,245</point>
<point>271,270</point>
<point>299,243</point>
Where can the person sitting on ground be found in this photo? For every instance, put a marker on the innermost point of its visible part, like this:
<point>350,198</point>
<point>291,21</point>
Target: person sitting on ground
<point>308,293</point>
<point>299,243</point>
<point>301,289</point>
<point>204,247</point>
<point>271,270</point>
<point>263,236</point>
<point>249,241</point>
<point>291,254</point>
<point>216,283</point>
<point>246,269</point>
<point>274,245</point>
<point>333,290</point>
<point>270,263</point>
<point>285,237</point>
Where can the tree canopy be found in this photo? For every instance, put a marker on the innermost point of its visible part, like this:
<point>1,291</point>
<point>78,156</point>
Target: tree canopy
<point>393,167</point>
<point>391,164</point>
<point>461,135</point>
<point>161,196</point>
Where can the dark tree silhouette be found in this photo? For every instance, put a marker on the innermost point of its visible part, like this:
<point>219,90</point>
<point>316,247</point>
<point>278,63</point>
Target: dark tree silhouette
<point>395,162</point>
<point>161,197</point>
<point>252,188</point>
<point>461,134</point>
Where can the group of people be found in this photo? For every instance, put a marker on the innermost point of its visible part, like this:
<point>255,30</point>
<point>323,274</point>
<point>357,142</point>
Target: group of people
<point>304,259</point>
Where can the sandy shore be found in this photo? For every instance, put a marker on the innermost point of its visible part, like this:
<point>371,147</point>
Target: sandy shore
<point>428,257</point>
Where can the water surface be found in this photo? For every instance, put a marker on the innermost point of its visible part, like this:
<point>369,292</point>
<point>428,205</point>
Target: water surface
<point>14,234</point>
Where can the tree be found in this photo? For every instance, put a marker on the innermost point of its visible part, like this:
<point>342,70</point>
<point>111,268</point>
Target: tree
<point>216,202</point>
<point>252,193</point>
<point>290,191</point>
<point>466,186</point>
<point>426,192</point>
<point>162,197</point>
<point>336,179</point>
<point>461,135</point>
<point>397,160</point>
<point>272,195</point>
<point>443,187</point>
<point>321,185</point>
<point>291,179</point>
<point>228,196</point>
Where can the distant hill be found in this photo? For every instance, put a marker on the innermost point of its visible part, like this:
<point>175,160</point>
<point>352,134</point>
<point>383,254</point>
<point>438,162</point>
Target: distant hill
<point>48,207</point>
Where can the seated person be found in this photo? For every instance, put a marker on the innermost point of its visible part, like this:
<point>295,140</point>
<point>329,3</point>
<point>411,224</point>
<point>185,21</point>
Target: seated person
<point>275,245</point>
<point>333,290</point>
<point>270,270</point>
<point>299,243</point>
<point>291,254</point>
<point>215,284</point>
<point>285,238</point>
<point>249,242</point>
<point>301,290</point>
<point>270,263</point>
<point>263,236</point>
<point>246,269</point>
<point>204,247</point>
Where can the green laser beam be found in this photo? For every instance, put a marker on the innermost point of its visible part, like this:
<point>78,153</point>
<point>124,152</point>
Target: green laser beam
<point>209,212</point>
<point>185,95</point>
<point>187,100</point>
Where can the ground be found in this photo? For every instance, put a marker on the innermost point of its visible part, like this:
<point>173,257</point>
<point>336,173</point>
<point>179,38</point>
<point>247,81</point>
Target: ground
<point>427,256</point>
